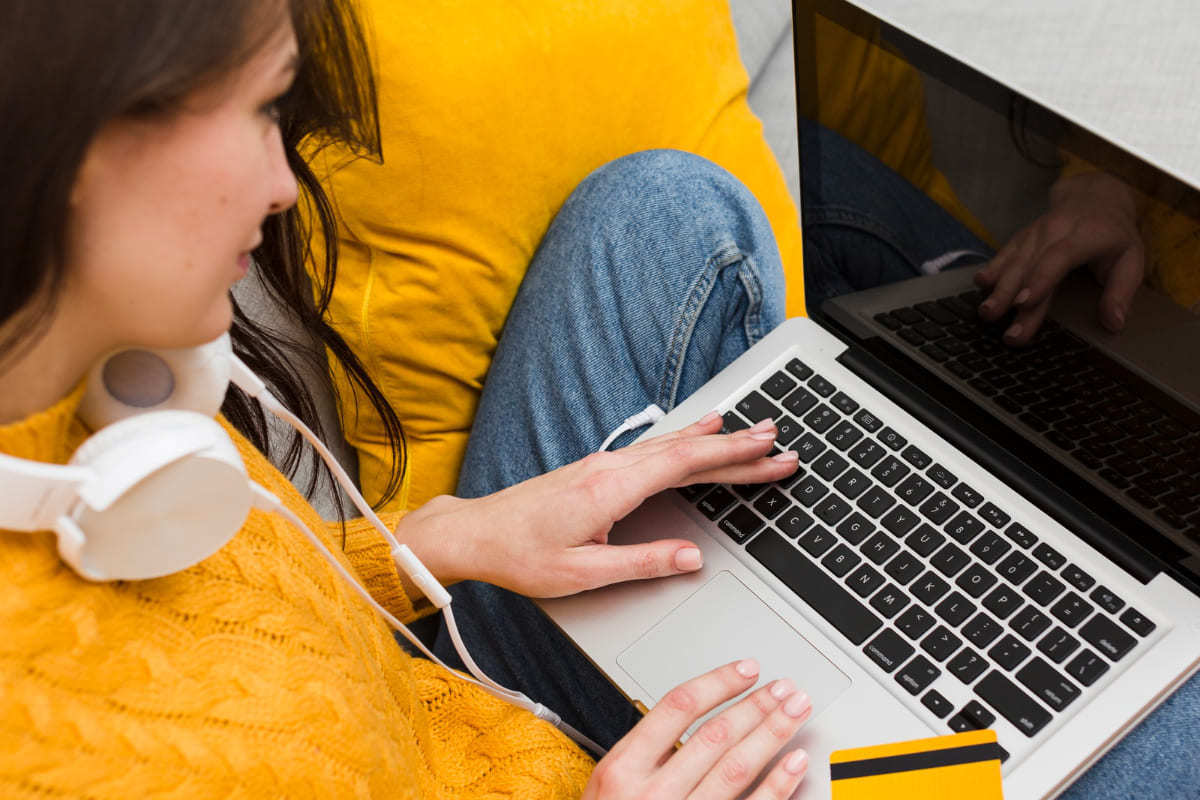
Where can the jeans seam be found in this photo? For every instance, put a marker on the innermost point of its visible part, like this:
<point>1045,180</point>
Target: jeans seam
<point>724,255</point>
<point>837,216</point>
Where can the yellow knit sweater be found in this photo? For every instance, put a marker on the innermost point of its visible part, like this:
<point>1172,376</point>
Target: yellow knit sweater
<point>254,674</point>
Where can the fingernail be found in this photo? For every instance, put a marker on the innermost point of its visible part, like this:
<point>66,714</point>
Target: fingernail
<point>782,688</point>
<point>1120,318</point>
<point>747,668</point>
<point>1021,297</point>
<point>987,305</point>
<point>1014,331</point>
<point>796,763</point>
<point>711,416</point>
<point>787,457</point>
<point>798,705</point>
<point>689,559</point>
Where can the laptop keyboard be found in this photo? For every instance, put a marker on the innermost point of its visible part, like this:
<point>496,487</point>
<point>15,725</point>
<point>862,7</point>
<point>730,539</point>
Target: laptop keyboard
<point>915,568</point>
<point>1136,439</point>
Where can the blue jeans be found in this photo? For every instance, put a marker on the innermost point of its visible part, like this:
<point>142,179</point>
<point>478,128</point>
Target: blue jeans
<point>658,271</point>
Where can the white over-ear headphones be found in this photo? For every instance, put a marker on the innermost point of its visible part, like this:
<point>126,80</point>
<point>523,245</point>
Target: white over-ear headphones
<point>160,486</point>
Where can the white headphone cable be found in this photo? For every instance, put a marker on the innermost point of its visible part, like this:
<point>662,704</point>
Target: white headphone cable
<point>647,416</point>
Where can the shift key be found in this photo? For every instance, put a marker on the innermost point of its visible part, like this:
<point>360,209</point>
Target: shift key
<point>1013,703</point>
<point>826,596</point>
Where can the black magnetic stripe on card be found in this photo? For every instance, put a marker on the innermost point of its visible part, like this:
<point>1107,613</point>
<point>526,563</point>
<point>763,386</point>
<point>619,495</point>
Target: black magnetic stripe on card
<point>908,762</point>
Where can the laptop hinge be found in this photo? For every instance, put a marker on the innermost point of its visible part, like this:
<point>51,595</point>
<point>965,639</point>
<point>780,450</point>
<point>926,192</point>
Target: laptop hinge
<point>1140,564</point>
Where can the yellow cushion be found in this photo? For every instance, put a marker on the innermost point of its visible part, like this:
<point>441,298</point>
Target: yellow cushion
<point>491,114</point>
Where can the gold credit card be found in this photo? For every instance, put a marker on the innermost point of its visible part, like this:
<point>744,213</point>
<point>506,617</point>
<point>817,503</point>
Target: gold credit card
<point>965,766</point>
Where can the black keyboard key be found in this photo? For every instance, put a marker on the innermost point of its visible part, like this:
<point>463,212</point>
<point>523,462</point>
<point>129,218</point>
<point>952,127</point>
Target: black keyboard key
<point>1087,667</point>
<point>908,316</point>
<point>903,568</point>
<point>855,528</point>
<point>841,560</point>
<point>939,508</point>
<point>808,491</point>
<point>695,491</point>
<point>1072,609</point>
<point>890,601</point>
<point>964,527</point>
<point>1012,703</point>
<point>937,704</point>
<point>794,522</point>
<point>755,407</point>
<point>1057,645</point>
<point>915,456</point>
<point>1016,568</point>
<point>975,580</point>
<point>828,598</point>
<point>799,369</point>
<point>916,675</point>
<point>924,540</point>
<point>992,515</point>
<point>941,643</point>
<point>741,523</point>
<point>1044,588</point>
<point>949,560</point>
<point>808,447</point>
<point>778,385</point>
<point>879,548</point>
<point>1029,623</point>
<point>1003,601</point>
<point>831,510</point>
<point>966,495</point>
<point>731,422</point>
<point>899,521</point>
<point>955,608</point>
<point>1107,600</point>
<point>1049,556</point>
<point>982,630</point>
<point>866,453</point>
<point>1021,535</point>
<point>868,420</point>
<point>747,491</point>
<point>830,465</point>
<point>1137,623</point>
<point>852,483</point>
<point>787,429</point>
<point>821,386</point>
<point>843,436</point>
<point>821,418</point>
<point>941,476</point>
<point>978,714</point>
<point>864,581</point>
<point>843,403</point>
<point>771,504</point>
<point>890,471</point>
<point>967,666</point>
<point>1009,651</point>
<point>1047,684</point>
<point>1107,637</point>
<point>875,501</point>
<point>888,650</point>
<point>914,622</point>
<point>799,401</point>
<point>816,541</point>
<point>892,439</point>
<point>914,489</point>
<point>715,503</point>
<point>960,723</point>
<point>990,547</point>
<point>1078,578</point>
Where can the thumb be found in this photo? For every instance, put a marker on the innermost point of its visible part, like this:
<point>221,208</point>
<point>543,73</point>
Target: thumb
<point>617,563</point>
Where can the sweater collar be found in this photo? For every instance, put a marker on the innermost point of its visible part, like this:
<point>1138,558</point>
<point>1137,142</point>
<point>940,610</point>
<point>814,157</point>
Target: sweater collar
<point>50,435</point>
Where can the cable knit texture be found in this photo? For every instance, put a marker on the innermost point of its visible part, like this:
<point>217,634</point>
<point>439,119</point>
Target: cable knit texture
<point>254,674</point>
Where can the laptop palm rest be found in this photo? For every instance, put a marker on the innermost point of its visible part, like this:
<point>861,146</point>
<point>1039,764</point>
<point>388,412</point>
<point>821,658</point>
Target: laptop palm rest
<point>724,621</point>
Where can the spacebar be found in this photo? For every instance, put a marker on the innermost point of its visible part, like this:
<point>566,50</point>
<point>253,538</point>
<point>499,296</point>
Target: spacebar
<point>826,596</point>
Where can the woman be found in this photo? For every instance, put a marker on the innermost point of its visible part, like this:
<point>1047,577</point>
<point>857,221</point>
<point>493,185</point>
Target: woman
<point>155,151</point>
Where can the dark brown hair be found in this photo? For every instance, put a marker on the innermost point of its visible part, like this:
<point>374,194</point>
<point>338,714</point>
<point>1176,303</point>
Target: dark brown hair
<point>67,68</point>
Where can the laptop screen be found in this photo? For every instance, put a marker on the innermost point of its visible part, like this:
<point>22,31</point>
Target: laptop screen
<point>1104,425</point>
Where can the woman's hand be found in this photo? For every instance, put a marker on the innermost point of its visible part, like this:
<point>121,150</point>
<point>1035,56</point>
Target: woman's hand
<point>548,536</point>
<point>724,756</point>
<point>1092,220</point>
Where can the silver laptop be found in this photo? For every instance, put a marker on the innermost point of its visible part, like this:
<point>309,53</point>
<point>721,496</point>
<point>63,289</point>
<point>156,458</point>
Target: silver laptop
<point>943,560</point>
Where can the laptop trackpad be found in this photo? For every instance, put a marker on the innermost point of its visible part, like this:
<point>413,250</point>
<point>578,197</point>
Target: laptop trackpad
<point>724,621</point>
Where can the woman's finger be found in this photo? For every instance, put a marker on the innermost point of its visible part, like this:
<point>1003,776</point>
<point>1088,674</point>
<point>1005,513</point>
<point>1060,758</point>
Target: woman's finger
<point>1121,282</point>
<point>743,762</point>
<point>1009,282</point>
<point>784,777</point>
<point>596,565</point>
<point>644,747</point>
<point>684,769</point>
<point>763,470</point>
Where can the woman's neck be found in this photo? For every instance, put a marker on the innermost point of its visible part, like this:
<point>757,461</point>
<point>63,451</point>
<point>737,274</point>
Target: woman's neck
<point>45,371</point>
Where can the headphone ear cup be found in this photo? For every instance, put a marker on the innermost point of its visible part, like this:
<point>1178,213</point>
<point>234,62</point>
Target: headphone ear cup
<point>134,381</point>
<point>170,490</point>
